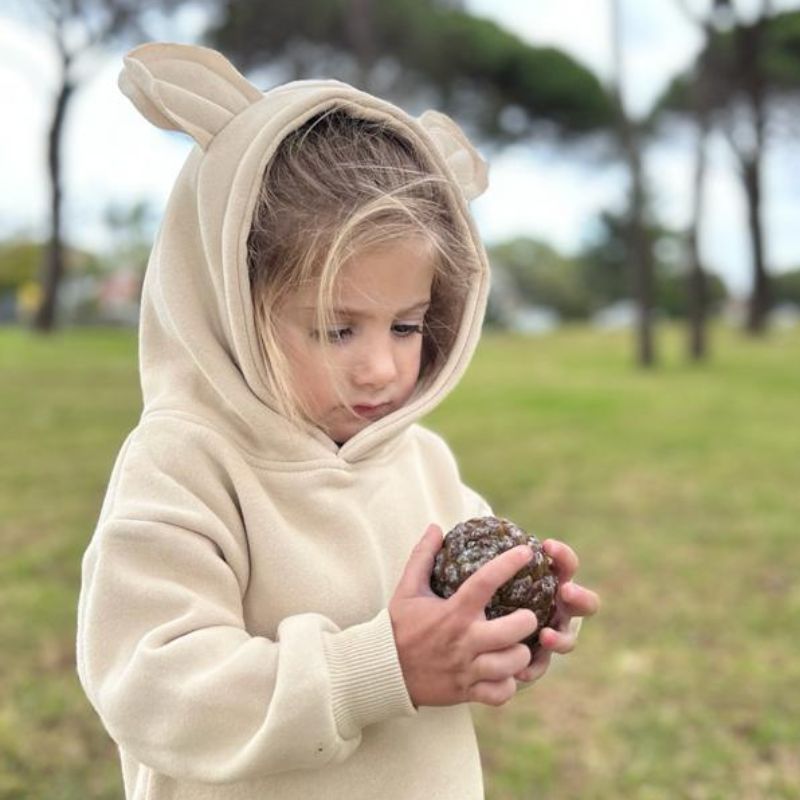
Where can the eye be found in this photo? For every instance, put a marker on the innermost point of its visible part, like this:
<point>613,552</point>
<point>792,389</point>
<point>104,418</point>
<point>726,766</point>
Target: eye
<point>403,330</point>
<point>338,335</point>
<point>335,335</point>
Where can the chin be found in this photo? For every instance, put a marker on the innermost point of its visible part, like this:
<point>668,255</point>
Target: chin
<point>344,432</point>
<point>343,435</point>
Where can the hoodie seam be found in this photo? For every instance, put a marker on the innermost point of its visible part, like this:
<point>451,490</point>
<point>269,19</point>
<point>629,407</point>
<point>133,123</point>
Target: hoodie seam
<point>255,461</point>
<point>251,458</point>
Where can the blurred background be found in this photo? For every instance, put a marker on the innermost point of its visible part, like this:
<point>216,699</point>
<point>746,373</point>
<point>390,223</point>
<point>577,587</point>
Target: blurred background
<point>636,393</point>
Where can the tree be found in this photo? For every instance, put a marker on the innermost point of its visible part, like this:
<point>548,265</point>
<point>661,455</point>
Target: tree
<point>133,228</point>
<point>704,88</point>
<point>786,287</point>
<point>21,258</point>
<point>544,277</point>
<point>421,52</point>
<point>604,269</point>
<point>80,30</point>
<point>639,246</point>
<point>755,68</point>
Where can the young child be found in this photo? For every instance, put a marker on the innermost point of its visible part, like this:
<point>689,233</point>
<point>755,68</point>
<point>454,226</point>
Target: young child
<point>255,618</point>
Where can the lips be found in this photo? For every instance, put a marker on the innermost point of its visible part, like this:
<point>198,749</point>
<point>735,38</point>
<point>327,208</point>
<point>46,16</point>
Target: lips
<point>372,411</point>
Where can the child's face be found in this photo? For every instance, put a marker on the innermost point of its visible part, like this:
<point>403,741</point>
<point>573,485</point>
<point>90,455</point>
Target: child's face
<point>375,344</point>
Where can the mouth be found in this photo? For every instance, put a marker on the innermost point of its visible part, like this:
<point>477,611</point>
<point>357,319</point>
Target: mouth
<point>371,412</point>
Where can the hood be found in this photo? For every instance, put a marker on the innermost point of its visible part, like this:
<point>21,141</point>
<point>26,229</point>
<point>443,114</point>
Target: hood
<point>198,349</point>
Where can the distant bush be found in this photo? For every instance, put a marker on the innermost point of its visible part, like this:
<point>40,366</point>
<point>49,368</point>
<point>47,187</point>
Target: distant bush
<point>21,259</point>
<point>577,287</point>
<point>19,264</point>
<point>786,287</point>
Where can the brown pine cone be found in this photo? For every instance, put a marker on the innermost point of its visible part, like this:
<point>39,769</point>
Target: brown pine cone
<point>469,545</point>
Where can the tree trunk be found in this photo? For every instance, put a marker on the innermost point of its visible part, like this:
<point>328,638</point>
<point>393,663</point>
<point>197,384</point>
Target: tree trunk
<point>53,262</point>
<point>750,41</point>
<point>697,284</point>
<point>758,307</point>
<point>361,34</point>
<point>640,252</point>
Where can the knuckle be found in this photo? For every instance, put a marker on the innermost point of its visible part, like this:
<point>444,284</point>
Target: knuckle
<point>486,667</point>
<point>483,580</point>
<point>462,687</point>
<point>475,694</point>
<point>420,547</point>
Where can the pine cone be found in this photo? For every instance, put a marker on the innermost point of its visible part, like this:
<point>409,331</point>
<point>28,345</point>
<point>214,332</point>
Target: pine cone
<point>469,545</point>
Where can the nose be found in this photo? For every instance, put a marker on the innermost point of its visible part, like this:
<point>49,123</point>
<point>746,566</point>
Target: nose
<point>376,365</point>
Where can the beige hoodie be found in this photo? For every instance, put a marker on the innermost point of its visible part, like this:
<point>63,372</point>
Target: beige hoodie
<point>233,632</point>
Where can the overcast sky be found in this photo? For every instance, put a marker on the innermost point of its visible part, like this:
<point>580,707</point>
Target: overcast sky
<point>113,155</point>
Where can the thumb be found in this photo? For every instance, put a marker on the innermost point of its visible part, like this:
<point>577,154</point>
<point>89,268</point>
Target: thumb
<point>417,572</point>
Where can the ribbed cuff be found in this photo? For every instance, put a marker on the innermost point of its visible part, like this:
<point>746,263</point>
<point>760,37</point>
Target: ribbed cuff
<point>366,679</point>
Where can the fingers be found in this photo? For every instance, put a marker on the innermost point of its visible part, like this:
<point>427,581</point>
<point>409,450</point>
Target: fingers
<point>497,634</point>
<point>496,686</point>
<point>561,642</point>
<point>475,593</point>
<point>576,601</point>
<point>501,664</point>
<point>565,560</point>
<point>492,693</point>
<point>416,576</point>
<point>537,668</point>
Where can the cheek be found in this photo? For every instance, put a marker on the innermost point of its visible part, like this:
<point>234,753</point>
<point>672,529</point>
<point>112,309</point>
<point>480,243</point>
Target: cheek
<point>412,360</point>
<point>302,367</point>
<point>312,378</point>
<point>309,373</point>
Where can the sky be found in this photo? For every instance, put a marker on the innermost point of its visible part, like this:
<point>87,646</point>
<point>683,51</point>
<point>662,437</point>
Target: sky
<point>112,155</point>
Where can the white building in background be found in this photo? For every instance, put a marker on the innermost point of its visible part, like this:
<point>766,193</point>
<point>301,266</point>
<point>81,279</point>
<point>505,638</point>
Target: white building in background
<point>620,315</point>
<point>785,316</point>
<point>534,320</point>
<point>511,312</point>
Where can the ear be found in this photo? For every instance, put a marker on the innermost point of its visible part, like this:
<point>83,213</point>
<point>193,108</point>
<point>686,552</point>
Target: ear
<point>185,88</point>
<point>469,169</point>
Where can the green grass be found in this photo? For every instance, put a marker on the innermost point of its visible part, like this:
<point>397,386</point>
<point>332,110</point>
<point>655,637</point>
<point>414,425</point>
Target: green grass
<point>678,487</point>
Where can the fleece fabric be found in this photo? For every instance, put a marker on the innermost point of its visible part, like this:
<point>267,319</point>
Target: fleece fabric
<point>233,632</point>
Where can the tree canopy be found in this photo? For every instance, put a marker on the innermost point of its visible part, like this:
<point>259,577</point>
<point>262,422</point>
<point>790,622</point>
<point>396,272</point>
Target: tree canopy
<point>426,50</point>
<point>780,66</point>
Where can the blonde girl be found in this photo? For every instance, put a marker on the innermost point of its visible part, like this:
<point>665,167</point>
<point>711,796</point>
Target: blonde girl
<point>255,618</point>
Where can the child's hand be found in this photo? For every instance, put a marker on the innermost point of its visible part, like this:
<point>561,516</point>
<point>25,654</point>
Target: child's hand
<point>449,652</point>
<point>572,600</point>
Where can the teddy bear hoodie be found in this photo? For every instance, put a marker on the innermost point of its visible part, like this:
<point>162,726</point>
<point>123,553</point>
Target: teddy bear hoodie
<point>233,632</point>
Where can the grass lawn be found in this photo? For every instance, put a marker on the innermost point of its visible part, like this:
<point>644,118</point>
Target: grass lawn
<point>678,487</point>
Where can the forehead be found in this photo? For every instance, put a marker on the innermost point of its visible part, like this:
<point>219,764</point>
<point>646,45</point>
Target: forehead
<point>388,279</point>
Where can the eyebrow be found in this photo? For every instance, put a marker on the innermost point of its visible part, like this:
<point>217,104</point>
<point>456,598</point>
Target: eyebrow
<point>354,312</point>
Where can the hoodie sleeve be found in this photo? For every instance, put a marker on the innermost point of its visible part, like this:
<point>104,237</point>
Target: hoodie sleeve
<point>165,659</point>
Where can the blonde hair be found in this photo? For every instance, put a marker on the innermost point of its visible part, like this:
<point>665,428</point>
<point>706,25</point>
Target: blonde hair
<point>337,186</point>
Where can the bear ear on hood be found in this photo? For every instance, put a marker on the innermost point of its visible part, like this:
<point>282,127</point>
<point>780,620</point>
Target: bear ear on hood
<point>185,88</point>
<point>469,169</point>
